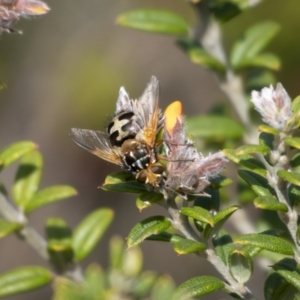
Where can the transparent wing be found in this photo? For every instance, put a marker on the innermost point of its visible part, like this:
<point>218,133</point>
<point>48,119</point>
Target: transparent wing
<point>147,109</point>
<point>97,143</point>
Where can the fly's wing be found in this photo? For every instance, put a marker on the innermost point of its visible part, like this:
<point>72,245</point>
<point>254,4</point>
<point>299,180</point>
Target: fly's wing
<point>147,109</point>
<point>97,143</point>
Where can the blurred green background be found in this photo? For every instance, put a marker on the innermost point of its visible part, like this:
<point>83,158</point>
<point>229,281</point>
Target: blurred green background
<point>66,70</point>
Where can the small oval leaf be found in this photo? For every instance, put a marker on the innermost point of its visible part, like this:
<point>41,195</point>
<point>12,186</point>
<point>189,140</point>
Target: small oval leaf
<point>293,277</point>
<point>7,227</point>
<point>49,195</point>
<point>15,151</point>
<point>198,213</point>
<point>147,227</point>
<point>270,203</point>
<point>186,246</point>
<point>240,266</point>
<point>154,20</point>
<point>291,177</point>
<point>197,287</point>
<point>293,142</point>
<point>28,178</point>
<point>147,199</point>
<point>249,149</point>
<point>266,242</point>
<point>89,232</point>
<point>23,279</point>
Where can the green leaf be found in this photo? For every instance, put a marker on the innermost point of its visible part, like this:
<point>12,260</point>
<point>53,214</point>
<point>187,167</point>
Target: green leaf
<point>267,139</point>
<point>163,288</point>
<point>257,183</point>
<point>28,178</point>
<point>219,182</point>
<point>154,20</point>
<point>15,151</point>
<point>240,266</point>
<point>198,213</point>
<point>293,142</point>
<point>266,242</point>
<point>254,40</point>
<point>144,284</point>
<point>123,182</point>
<point>23,279</point>
<point>7,227</point>
<point>186,246</point>
<point>132,262</point>
<point>268,129</point>
<point>90,231</point>
<point>95,283</point>
<point>147,227</point>
<point>266,60</point>
<point>116,252</point>
<point>65,289</point>
<point>249,149</point>
<point>277,288</point>
<point>198,286</point>
<point>59,243</point>
<point>147,199</point>
<point>214,127</point>
<point>294,195</point>
<point>223,244</point>
<point>253,164</point>
<point>295,161</point>
<point>199,56</point>
<point>223,215</point>
<point>49,195</point>
<point>291,177</point>
<point>293,277</point>
<point>165,237</point>
<point>270,203</point>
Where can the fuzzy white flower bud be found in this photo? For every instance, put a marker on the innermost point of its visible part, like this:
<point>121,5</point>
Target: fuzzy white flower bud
<point>274,105</point>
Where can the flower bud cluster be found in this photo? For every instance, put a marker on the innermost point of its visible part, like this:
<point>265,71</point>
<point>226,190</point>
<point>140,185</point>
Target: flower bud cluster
<point>12,10</point>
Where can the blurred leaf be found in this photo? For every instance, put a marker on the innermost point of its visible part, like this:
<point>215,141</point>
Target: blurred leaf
<point>295,161</point>
<point>220,181</point>
<point>133,262</point>
<point>277,288</point>
<point>240,266</point>
<point>294,194</point>
<point>266,139</point>
<point>257,79</point>
<point>268,129</point>
<point>154,20</point>
<point>90,231</point>
<point>223,244</point>
<point>292,277</point>
<point>147,199</point>
<point>59,243</point>
<point>95,283</point>
<point>49,195</point>
<point>198,213</point>
<point>293,142</point>
<point>147,227</point>
<point>257,183</point>
<point>7,227</point>
<point>265,60</point>
<point>123,182</point>
<point>270,203</point>
<point>254,40</point>
<point>225,10</point>
<point>116,252</point>
<point>198,286</point>
<point>266,242</point>
<point>199,56</point>
<point>186,246</point>
<point>23,279</point>
<point>65,289</point>
<point>223,215</point>
<point>291,177</point>
<point>144,284</point>
<point>214,127</point>
<point>163,288</point>
<point>249,149</point>
<point>15,151</point>
<point>28,178</point>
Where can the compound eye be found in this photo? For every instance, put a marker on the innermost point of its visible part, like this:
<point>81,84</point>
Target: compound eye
<point>157,169</point>
<point>141,176</point>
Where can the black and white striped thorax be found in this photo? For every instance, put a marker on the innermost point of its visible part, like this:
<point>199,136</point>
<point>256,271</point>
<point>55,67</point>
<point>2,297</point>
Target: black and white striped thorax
<point>122,127</point>
<point>137,156</point>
